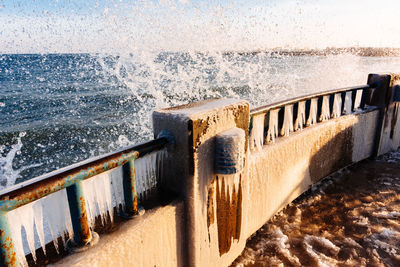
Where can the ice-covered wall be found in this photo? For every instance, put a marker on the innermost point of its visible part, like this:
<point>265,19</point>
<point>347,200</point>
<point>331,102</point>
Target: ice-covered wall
<point>154,239</point>
<point>220,211</point>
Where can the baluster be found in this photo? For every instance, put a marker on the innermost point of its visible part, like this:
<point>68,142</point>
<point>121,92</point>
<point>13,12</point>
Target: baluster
<point>299,111</point>
<point>130,193</point>
<point>308,111</point>
<point>364,96</point>
<point>272,122</point>
<point>354,106</point>
<point>287,126</point>
<point>313,110</point>
<point>348,105</point>
<point>281,118</point>
<point>332,99</point>
<point>343,96</point>
<point>83,236</point>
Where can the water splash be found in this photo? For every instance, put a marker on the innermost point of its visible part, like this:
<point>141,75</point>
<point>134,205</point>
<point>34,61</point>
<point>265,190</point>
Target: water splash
<point>8,174</point>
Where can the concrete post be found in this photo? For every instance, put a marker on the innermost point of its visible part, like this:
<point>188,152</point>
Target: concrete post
<point>212,201</point>
<point>388,128</point>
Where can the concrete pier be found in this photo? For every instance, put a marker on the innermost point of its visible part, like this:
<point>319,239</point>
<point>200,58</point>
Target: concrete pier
<point>216,212</point>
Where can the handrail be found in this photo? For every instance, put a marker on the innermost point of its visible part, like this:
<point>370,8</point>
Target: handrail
<point>142,149</point>
<point>70,178</point>
<point>279,119</point>
<point>262,109</point>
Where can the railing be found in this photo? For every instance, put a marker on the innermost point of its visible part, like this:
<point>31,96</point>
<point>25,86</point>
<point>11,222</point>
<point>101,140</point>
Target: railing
<point>279,119</point>
<point>71,178</point>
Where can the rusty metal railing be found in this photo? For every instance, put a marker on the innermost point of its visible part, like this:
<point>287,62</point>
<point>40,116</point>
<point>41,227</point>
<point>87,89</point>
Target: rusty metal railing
<point>71,178</point>
<point>282,118</point>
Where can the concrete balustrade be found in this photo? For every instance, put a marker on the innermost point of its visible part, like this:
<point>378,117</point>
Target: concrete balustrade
<point>219,210</point>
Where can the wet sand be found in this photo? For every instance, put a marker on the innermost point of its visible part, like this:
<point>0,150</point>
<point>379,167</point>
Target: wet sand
<point>351,218</point>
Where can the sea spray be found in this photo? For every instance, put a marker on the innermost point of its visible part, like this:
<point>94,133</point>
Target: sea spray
<point>8,173</point>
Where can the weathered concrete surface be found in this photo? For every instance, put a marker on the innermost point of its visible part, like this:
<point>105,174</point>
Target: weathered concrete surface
<point>282,171</point>
<point>221,211</point>
<point>154,239</point>
<point>191,168</point>
<point>390,136</point>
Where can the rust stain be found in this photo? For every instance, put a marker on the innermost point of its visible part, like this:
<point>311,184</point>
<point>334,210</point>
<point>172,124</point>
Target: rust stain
<point>229,214</point>
<point>201,126</point>
<point>83,220</point>
<point>8,255</point>
<point>57,182</point>
<point>134,193</point>
<point>210,205</point>
<point>242,120</point>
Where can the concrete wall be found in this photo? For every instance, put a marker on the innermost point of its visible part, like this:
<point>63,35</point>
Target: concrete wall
<point>220,211</point>
<point>282,171</point>
<point>153,239</point>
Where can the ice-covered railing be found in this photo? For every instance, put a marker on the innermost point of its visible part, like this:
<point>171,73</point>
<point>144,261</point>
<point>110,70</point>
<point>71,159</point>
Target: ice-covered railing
<point>65,203</point>
<point>280,119</point>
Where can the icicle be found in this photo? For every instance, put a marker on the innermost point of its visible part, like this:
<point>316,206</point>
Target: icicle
<point>312,119</point>
<point>257,133</point>
<point>146,173</point>
<point>104,194</point>
<point>161,158</point>
<point>30,217</point>
<point>337,106</point>
<point>357,101</point>
<point>301,116</point>
<point>272,126</point>
<point>15,228</point>
<point>56,211</point>
<point>348,103</point>
<point>287,121</point>
<point>97,191</point>
<point>116,180</point>
<point>325,112</point>
<point>38,214</point>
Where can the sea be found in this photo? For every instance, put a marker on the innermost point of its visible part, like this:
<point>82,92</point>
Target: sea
<point>59,109</point>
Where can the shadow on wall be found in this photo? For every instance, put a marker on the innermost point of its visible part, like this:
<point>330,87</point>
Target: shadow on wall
<point>334,154</point>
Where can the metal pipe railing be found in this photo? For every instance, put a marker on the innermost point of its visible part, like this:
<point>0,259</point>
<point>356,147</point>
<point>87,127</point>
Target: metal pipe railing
<point>70,178</point>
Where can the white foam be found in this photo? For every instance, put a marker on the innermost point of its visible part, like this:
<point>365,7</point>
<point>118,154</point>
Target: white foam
<point>8,175</point>
<point>320,258</point>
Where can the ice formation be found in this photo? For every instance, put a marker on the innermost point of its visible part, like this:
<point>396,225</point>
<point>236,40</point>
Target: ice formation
<point>272,132</point>
<point>312,118</point>
<point>45,220</point>
<point>287,121</point>
<point>325,111</point>
<point>257,133</point>
<point>348,103</point>
<point>337,106</point>
<point>301,116</point>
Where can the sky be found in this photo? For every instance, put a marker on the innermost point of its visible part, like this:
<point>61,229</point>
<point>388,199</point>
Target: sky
<point>121,26</point>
